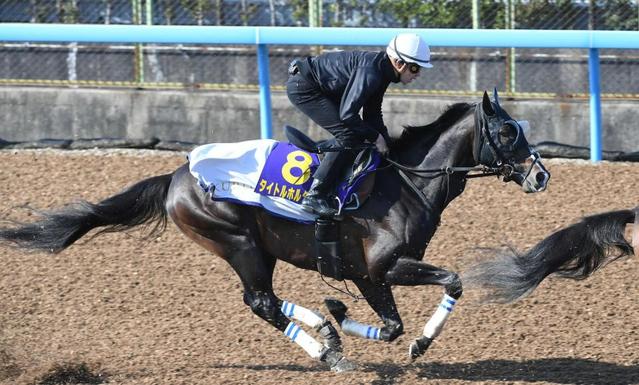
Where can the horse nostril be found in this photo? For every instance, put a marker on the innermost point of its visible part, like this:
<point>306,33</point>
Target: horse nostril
<point>540,177</point>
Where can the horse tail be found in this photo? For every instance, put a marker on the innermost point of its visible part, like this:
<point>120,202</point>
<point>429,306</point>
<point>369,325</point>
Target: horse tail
<point>143,202</point>
<point>573,252</point>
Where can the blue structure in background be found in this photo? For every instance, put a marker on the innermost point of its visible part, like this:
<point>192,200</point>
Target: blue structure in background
<point>264,36</point>
<point>595,105</point>
<point>266,126</point>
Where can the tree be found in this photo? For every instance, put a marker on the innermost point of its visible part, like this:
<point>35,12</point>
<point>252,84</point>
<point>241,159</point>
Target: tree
<point>38,11</point>
<point>551,14</point>
<point>429,14</point>
<point>403,11</point>
<point>442,14</point>
<point>219,12</point>
<point>67,11</point>
<point>300,11</point>
<point>619,15</point>
<point>197,9</point>
<point>351,12</point>
<point>246,11</point>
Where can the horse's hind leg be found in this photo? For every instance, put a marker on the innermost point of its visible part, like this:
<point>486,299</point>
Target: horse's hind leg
<point>228,231</point>
<point>315,320</point>
<point>256,274</point>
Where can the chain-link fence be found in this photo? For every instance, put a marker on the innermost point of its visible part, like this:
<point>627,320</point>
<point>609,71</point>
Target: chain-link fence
<point>531,72</point>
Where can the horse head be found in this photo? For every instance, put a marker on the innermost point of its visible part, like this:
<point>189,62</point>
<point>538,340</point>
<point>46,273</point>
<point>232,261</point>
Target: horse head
<point>500,143</point>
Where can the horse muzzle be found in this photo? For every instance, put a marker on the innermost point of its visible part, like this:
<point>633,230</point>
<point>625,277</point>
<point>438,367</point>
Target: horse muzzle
<point>531,175</point>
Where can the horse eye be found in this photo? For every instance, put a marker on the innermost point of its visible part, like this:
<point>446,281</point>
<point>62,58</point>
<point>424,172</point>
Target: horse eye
<point>507,134</point>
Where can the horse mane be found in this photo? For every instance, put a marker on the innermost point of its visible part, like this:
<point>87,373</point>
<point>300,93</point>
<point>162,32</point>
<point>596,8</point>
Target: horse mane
<point>447,119</point>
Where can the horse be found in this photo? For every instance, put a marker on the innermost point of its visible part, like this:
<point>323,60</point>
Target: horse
<point>575,252</point>
<point>384,240</point>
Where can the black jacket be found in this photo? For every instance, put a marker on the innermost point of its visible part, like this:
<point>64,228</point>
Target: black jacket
<point>358,81</point>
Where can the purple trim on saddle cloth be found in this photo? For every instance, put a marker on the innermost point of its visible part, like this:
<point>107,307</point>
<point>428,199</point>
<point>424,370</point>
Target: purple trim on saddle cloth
<point>346,192</point>
<point>287,172</point>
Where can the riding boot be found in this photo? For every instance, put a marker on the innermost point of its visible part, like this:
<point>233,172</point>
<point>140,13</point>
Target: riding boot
<point>316,201</point>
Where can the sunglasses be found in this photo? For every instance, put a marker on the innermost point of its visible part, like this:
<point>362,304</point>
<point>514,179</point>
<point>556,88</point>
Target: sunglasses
<point>413,68</point>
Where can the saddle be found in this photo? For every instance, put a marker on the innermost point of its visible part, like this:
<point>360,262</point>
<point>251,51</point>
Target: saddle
<point>356,184</point>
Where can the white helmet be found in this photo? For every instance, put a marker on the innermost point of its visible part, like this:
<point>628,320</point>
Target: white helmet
<point>410,48</point>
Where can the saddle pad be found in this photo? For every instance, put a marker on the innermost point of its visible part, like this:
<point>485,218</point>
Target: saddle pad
<point>235,172</point>
<point>287,172</point>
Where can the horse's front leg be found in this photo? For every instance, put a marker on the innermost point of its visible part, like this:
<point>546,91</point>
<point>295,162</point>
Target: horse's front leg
<point>380,298</point>
<point>410,272</point>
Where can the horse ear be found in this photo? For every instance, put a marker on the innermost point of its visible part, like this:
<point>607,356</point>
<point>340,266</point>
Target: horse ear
<point>487,106</point>
<point>498,108</point>
<point>495,96</point>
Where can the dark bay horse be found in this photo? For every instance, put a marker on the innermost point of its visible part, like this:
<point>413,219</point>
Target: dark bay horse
<point>575,252</point>
<point>384,241</point>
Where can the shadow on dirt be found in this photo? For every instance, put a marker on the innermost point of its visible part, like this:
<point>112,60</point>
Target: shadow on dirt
<point>8,368</point>
<point>71,373</point>
<point>288,367</point>
<point>569,371</point>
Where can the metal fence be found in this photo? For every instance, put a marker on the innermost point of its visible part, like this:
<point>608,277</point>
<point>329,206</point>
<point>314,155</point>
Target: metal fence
<point>519,72</point>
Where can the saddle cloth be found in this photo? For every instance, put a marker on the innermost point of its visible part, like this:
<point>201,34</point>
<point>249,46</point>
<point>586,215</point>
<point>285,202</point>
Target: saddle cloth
<point>269,174</point>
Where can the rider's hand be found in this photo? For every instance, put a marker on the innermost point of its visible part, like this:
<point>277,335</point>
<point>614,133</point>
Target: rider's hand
<point>381,145</point>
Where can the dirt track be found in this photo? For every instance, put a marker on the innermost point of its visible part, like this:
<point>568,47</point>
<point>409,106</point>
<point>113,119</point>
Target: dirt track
<point>168,312</point>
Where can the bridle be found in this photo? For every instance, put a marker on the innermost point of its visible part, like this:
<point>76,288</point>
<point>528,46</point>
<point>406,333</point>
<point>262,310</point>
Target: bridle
<point>487,152</point>
<point>492,159</point>
<point>483,141</point>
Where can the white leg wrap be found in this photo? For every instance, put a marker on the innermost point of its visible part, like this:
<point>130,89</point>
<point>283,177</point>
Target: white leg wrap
<point>354,328</point>
<point>302,314</point>
<point>308,343</point>
<point>436,323</point>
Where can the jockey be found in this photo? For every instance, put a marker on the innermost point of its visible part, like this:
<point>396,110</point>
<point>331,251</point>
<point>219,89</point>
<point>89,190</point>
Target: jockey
<point>333,87</point>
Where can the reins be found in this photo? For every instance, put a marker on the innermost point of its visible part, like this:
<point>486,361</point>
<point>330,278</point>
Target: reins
<point>485,170</point>
<point>448,171</point>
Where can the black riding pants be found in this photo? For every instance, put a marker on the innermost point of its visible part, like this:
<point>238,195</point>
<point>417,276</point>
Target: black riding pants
<point>324,110</point>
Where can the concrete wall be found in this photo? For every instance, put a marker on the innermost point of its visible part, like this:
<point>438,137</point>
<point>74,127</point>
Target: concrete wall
<point>30,113</point>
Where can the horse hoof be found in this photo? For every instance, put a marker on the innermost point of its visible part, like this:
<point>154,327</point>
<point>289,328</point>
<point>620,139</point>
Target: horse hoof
<point>419,347</point>
<point>331,336</point>
<point>336,361</point>
<point>336,308</point>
